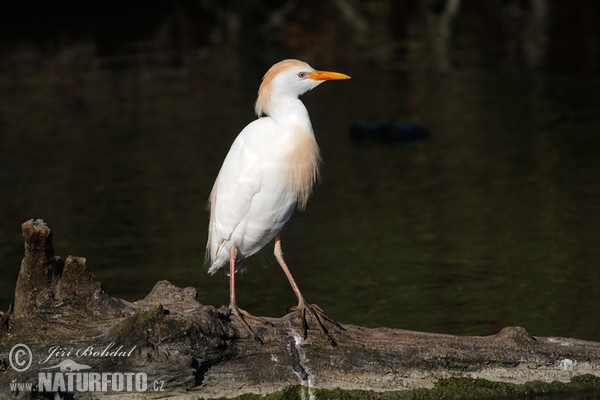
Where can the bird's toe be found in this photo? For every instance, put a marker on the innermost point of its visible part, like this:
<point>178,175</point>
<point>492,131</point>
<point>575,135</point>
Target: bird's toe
<point>320,317</point>
<point>242,315</point>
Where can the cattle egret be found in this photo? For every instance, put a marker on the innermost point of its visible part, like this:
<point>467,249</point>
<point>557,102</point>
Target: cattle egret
<point>270,170</point>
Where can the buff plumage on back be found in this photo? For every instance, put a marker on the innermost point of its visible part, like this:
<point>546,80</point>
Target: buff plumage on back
<point>264,92</point>
<point>304,167</point>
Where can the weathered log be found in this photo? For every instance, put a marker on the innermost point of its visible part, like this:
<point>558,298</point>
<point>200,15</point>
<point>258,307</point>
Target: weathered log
<point>185,348</point>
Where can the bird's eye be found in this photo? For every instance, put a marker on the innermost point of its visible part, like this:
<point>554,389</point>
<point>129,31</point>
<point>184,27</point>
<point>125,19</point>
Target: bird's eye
<point>302,75</point>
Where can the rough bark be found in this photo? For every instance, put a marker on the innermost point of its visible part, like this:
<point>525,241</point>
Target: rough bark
<point>195,349</point>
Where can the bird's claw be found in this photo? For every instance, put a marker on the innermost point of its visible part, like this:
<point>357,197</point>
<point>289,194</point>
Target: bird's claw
<point>242,315</point>
<point>318,315</point>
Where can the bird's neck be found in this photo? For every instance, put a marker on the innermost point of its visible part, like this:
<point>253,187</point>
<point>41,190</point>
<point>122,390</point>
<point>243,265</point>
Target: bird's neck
<point>301,149</point>
<point>289,111</point>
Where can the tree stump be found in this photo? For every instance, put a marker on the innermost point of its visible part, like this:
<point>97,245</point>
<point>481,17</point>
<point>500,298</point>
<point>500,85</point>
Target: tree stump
<point>180,347</point>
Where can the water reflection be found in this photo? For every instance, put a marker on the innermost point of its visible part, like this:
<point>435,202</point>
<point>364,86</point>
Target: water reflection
<point>114,127</point>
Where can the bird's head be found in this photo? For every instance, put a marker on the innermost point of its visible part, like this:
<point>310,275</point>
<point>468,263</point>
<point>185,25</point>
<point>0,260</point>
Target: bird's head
<point>290,78</point>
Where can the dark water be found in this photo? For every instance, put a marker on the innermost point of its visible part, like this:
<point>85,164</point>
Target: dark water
<point>114,124</point>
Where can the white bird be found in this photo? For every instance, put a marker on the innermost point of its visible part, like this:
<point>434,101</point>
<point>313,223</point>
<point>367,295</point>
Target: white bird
<point>270,170</point>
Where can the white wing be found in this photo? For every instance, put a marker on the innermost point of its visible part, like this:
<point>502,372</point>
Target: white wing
<point>250,201</point>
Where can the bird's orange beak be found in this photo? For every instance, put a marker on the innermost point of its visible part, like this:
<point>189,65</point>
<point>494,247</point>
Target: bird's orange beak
<point>327,76</point>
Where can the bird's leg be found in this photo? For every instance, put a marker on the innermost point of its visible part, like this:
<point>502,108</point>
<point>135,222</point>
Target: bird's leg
<point>235,310</point>
<point>303,306</point>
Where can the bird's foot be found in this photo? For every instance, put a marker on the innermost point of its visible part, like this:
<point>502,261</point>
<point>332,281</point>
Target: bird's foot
<point>318,315</point>
<point>242,315</point>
